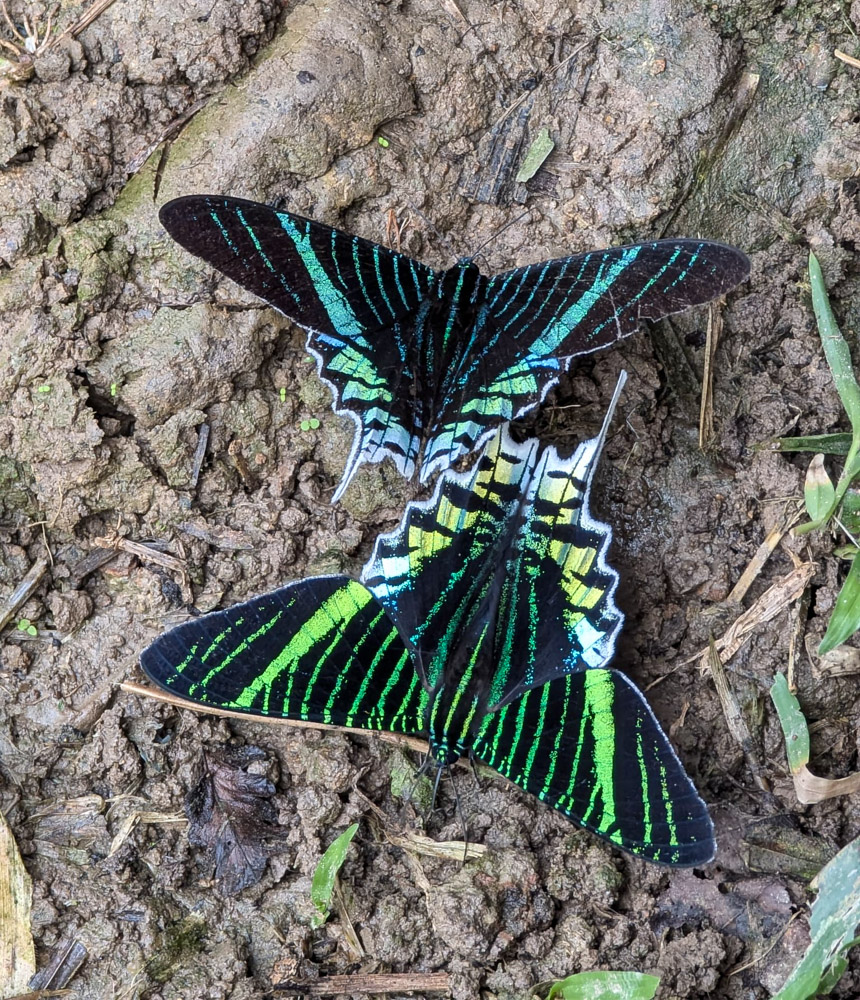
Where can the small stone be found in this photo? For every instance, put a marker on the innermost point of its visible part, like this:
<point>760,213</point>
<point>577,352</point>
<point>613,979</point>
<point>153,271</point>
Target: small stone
<point>70,610</point>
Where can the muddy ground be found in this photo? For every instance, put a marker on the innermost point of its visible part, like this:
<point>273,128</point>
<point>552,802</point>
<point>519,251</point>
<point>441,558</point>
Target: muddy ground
<point>731,121</point>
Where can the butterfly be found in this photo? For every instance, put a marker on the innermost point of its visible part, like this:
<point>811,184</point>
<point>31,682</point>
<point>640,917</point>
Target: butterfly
<point>484,623</point>
<point>429,363</point>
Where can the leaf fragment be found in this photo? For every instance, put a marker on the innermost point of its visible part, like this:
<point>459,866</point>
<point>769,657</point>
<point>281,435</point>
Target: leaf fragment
<point>818,490</point>
<point>17,952</point>
<point>538,151</point>
<point>231,814</point>
<point>599,985</point>
<point>808,787</point>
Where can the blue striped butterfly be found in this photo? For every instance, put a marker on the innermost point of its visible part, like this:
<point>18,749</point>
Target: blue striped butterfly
<point>429,363</point>
<point>483,623</point>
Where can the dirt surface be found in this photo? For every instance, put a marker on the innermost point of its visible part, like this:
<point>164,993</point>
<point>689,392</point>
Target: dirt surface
<point>731,121</point>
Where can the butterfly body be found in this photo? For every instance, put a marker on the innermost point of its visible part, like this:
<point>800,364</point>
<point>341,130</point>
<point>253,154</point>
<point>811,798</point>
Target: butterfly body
<point>429,363</point>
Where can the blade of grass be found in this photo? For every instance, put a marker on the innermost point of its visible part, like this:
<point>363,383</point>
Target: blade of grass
<point>835,347</point>
<point>829,444</point>
<point>845,619</point>
<point>838,357</point>
<point>793,724</point>
<point>322,884</point>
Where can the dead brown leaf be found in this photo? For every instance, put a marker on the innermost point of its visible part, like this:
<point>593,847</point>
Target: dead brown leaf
<point>232,816</point>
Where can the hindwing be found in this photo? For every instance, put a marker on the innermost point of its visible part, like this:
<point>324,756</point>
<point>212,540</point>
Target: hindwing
<point>588,745</point>
<point>319,650</point>
<point>512,539</point>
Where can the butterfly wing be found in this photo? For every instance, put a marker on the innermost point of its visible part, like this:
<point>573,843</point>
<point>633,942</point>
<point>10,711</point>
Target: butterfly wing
<point>536,318</point>
<point>557,611</point>
<point>589,745</point>
<point>340,288</point>
<point>512,539</point>
<point>434,571</point>
<point>319,650</point>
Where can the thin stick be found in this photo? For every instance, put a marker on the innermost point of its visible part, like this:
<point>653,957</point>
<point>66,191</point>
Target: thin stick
<point>706,412</point>
<point>550,72</point>
<point>850,60</point>
<point>762,554</point>
<point>84,21</point>
<point>171,699</point>
<point>329,986</point>
<point>22,592</point>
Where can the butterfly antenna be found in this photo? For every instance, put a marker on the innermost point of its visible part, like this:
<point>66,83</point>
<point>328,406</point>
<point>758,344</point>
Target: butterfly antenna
<point>499,232</point>
<point>440,236</point>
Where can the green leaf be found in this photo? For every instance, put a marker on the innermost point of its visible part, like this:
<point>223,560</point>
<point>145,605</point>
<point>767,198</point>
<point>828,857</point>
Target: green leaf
<point>835,348</point>
<point>850,513</point>
<point>305,425</point>
<point>832,926</point>
<point>818,490</point>
<point>314,423</point>
<point>43,388</point>
<point>605,986</point>
<point>383,142</point>
<point>845,619</point>
<point>322,884</point>
<point>829,444</point>
<point>793,724</point>
<point>23,625</point>
<point>539,150</point>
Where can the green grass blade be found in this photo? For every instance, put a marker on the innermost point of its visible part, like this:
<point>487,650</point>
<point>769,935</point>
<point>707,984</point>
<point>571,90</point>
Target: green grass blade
<point>827,444</point>
<point>833,923</point>
<point>845,619</point>
<point>793,724</point>
<point>322,884</point>
<point>818,490</point>
<point>835,348</point>
<point>605,986</point>
<point>850,513</point>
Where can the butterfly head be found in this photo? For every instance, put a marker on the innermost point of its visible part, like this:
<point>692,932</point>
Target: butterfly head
<point>462,283</point>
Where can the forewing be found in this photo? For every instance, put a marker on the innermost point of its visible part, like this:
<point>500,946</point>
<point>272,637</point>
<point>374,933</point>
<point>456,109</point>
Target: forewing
<point>589,745</point>
<point>536,318</point>
<point>356,299</point>
<point>323,279</point>
<point>319,650</point>
<point>434,571</point>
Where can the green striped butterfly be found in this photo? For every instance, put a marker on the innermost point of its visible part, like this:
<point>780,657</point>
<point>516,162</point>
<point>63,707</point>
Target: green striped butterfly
<point>429,363</point>
<point>484,622</point>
